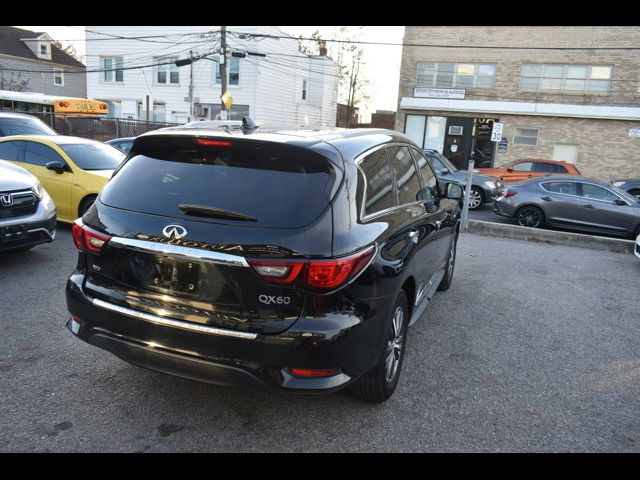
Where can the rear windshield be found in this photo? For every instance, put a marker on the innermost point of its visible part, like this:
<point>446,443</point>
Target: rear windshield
<point>279,185</point>
<point>23,126</point>
<point>93,156</point>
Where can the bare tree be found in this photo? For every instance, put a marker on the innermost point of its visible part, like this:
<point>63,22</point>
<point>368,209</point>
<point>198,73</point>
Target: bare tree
<point>69,50</point>
<point>352,84</point>
<point>14,83</point>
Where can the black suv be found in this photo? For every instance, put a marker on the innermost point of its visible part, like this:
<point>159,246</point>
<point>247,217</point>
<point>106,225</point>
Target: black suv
<point>295,259</point>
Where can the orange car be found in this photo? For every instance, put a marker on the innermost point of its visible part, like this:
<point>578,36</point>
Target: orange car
<point>526,168</point>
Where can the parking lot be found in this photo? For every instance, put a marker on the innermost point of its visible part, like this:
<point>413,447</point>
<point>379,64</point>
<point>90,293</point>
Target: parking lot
<point>534,348</point>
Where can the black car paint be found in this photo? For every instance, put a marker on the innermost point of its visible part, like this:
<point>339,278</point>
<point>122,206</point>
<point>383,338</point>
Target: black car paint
<point>342,329</point>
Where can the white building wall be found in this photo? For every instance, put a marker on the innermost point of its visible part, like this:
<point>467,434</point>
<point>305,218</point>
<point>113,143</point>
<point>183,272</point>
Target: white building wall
<point>269,85</point>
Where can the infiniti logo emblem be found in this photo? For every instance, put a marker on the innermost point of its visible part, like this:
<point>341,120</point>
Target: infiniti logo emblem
<point>174,231</point>
<point>6,200</point>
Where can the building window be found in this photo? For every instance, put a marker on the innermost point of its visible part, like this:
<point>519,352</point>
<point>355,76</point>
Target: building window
<point>112,69</point>
<point>43,49</point>
<point>167,72</point>
<point>58,76</point>
<point>565,78</point>
<point>304,89</point>
<point>526,136</point>
<point>233,70</point>
<point>459,75</point>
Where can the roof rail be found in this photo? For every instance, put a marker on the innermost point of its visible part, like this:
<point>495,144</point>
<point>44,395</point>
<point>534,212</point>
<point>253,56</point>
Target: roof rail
<point>246,123</point>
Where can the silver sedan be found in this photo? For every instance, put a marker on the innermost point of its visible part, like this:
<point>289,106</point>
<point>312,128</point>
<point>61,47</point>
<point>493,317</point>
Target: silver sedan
<point>571,203</point>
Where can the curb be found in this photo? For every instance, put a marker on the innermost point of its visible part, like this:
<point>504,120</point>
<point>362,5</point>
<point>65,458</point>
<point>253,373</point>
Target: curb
<point>552,237</point>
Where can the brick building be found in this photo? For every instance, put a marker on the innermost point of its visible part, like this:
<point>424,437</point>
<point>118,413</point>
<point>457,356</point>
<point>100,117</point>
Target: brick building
<point>578,102</point>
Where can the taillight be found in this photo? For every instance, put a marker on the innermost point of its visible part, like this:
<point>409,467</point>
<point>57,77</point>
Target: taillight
<point>509,193</point>
<point>335,273</point>
<point>212,143</point>
<point>87,239</point>
<point>314,373</point>
<point>278,271</point>
<point>320,274</point>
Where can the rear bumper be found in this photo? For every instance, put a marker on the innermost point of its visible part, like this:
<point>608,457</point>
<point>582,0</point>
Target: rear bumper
<point>335,340</point>
<point>503,208</point>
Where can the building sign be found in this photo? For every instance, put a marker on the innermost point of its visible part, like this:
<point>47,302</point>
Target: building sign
<point>502,145</point>
<point>496,132</point>
<point>634,132</point>
<point>457,93</point>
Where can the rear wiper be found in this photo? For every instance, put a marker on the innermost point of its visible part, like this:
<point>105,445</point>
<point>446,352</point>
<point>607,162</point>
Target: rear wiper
<point>214,212</point>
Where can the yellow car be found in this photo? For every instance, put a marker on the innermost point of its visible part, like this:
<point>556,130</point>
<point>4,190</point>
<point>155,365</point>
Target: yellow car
<point>72,170</point>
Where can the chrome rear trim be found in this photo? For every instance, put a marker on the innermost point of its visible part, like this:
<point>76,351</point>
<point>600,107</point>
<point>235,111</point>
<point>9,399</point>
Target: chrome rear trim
<point>179,251</point>
<point>170,322</point>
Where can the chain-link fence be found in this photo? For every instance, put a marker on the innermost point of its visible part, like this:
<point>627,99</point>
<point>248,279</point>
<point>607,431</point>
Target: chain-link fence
<point>101,129</point>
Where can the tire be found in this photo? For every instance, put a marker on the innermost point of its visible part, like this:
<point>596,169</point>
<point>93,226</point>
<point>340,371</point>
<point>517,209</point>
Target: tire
<point>445,283</point>
<point>476,198</point>
<point>86,204</point>
<point>637,232</point>
<point>530,216</point>
<point>379,383</point>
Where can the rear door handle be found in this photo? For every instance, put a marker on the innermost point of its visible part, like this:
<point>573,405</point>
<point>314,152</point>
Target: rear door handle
<point>547,199</point>
<point>589,206</point>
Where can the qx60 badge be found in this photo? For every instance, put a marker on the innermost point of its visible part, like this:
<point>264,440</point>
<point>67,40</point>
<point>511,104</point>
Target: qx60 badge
<point>174,231</point>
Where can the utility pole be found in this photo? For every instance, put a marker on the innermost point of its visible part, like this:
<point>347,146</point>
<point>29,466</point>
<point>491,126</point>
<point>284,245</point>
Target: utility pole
<point>223,70</point>
<point>191,86</point>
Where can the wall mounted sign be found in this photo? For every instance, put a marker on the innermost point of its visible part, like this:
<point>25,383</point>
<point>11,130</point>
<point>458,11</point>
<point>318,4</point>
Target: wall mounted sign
<point>634,132</point>
<point>502,145</point>
<point>457,93</point>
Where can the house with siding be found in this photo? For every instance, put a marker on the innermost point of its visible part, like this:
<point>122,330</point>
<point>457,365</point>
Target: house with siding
<point>134,70</point>
<point>30,62</point>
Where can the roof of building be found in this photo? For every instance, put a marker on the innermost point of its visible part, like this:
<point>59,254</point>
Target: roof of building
<point>12,43</point>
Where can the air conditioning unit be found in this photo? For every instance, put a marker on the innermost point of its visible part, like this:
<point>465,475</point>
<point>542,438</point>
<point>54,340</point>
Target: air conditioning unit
<point>200,111</point>
<point>455,130</point>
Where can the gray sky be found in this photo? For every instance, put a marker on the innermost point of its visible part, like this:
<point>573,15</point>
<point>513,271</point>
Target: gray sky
<point>382,63</point>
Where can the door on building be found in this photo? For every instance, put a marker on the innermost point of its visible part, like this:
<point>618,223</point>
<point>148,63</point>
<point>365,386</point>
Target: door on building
<point>457,141</point>
<point>565,153</point>
<point>483,148</point>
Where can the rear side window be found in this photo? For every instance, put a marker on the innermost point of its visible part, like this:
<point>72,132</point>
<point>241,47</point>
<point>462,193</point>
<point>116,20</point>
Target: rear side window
<point>548,167</point>
<point>24,126</point>
<point>568,188</point>
<point>280,185</point>
<point>39,154</point>
<point>379,188</point>
<point>10,150</point>
<point>407,181</point>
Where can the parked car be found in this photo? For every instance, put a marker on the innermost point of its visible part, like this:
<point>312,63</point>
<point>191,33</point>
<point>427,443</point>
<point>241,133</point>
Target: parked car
<point>526,168</point>
<point>27,213</point>
<point>290,260</point>
<point>123,144</point>
<point>570,202</point>
<point>21,124</point>
<point>630,185</point>
<point>71,169</point>
<point>483,187</point>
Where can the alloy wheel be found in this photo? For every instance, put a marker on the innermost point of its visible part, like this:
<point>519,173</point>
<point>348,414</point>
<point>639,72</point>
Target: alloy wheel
<point>475,199</point>
<point>394,346</point>
<point>530,217</point>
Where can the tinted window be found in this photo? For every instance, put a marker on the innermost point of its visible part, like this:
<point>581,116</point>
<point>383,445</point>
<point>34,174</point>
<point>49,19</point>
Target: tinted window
<point>23,126</point>
<point>597,193</point>
<point>379,194</point>
<point>548,167</point>
<point>559,168</point>
<point>281,186</point>
<point>568,188</point>
<point>429,179</point>
<point>407,181</point>
<point>523,167</point>
<point>436,163</point>
<point>39,154</point>
<point>10,150</point>
<point>94,156</point>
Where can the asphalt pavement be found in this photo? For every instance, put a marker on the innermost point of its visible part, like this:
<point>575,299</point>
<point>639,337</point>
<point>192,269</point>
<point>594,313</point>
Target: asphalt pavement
<point>534,348</point>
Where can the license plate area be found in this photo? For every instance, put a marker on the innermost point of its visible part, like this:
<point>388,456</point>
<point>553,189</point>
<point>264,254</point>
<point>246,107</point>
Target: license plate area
<point>12,233</point>
<point>176,276</point>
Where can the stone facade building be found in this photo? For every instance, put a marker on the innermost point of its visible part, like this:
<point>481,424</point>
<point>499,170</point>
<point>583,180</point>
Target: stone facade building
<point>565,93</point>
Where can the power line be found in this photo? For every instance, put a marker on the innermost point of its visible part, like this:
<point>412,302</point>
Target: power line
<point>244,35</point>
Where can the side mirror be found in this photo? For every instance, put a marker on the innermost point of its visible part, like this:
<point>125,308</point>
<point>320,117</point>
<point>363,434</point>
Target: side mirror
<point>619,201</point>
<point>454,191</point>
<point>445,171</point>
<point>57,167</point>
<point>509,169</point>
